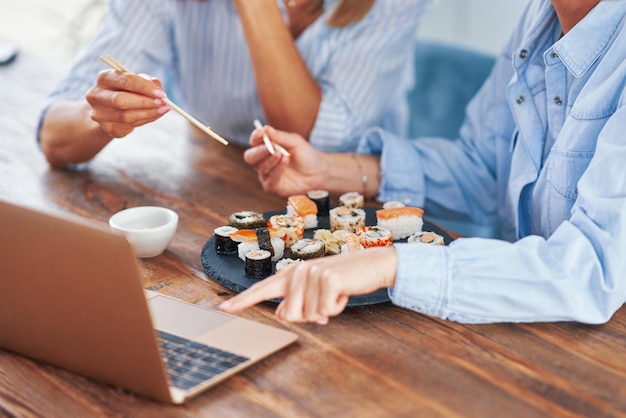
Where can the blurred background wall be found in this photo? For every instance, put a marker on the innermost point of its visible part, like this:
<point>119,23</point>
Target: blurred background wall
<point>481,24</point>
<point>60,28</point>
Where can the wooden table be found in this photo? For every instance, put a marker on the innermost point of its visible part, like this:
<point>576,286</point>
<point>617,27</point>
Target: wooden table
<point>372,361</point>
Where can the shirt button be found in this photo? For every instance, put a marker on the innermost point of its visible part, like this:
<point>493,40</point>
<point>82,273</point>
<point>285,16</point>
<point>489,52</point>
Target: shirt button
<point>523,53</point>
<point>558,101</point>
<point>555,55</point>
<point>519,99</point>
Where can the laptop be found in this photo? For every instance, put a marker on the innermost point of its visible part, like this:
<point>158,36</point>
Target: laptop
<point>71,295</point>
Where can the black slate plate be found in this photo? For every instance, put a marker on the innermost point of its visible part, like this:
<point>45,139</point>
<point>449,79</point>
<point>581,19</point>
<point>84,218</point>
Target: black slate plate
<point>229,269</point>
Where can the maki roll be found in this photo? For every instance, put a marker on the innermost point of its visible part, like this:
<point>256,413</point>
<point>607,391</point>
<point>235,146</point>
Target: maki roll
<point>393,204</point>
<point>283,263</point>
<point>247,219</point>
<point>351,200</point>
<point>258,264</point>
<point>375,236</point>
<point>321,198</point>
<point>429,237</point>
<point>307,248</point>
<point>292,225</point>
<point>223,242</point>
<point>343,217</point>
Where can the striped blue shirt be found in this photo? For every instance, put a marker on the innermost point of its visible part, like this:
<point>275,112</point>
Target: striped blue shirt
<point>199,51</point>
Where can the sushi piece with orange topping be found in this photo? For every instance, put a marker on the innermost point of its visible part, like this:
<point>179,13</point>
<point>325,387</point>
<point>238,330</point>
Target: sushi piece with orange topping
<point>257,239</point>
<point>291,225</point>
<point>401,221</point>
<point>352,243</point>
<point>304,207</point>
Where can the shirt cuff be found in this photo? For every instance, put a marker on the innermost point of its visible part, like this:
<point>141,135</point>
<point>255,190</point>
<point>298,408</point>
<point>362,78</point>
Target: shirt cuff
<point>422,279</point>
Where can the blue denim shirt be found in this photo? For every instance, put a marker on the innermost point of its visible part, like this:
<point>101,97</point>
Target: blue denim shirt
<point>542,153</point>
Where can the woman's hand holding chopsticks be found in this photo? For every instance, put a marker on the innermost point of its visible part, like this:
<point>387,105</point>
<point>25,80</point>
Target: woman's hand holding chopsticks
<point>297,170</point>
<point>302,167</point>
<point>122,101</point>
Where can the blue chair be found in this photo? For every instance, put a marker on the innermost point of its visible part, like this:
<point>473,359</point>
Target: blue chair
<point>447,77</point>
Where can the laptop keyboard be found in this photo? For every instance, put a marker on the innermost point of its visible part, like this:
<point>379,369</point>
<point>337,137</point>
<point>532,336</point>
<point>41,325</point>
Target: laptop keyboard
<point>190,363</point>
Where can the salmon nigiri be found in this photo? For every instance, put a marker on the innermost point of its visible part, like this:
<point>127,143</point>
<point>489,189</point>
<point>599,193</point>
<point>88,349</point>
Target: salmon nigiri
<point>401,221</point>
<point>304,207</point>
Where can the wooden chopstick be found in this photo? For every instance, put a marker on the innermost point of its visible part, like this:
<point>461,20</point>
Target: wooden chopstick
<point>271,146</point>
<point>116,65</point>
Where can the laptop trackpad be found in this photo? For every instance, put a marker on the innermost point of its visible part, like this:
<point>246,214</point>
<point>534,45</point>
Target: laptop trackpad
<point>184,319</point>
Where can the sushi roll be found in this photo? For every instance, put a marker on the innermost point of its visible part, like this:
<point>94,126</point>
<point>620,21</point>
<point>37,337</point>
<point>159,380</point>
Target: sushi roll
<point>352,243</point>
<point>307,248</point>
<point>402,221</point>
<point>258,264</point>
<point>424,237</point>
<point>305,208</point>
<point>292,225</point>
<point>247,219</point>
<point>393,204</point>
<point>264,239</point>
<point>283,263</point>
<point>343,217</point>
<point>375,236</point>
<point>351,200</point>
<point>224,244</point>
<point>321,198</point>
<point>249,241</point>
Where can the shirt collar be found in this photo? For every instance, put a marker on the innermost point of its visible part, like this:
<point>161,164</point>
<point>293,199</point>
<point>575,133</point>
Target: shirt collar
<point>581,47</point>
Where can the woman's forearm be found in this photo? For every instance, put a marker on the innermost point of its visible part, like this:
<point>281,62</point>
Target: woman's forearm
<point>352,173</point>
<point>69,135</point>
<point>289,95</point>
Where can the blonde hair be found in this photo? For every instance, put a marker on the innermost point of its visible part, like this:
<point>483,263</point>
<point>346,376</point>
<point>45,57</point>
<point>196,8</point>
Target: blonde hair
<point>349,12</point>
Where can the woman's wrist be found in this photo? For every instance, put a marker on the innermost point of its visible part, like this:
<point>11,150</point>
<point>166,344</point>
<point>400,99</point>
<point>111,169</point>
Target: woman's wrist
<point>351,173</point>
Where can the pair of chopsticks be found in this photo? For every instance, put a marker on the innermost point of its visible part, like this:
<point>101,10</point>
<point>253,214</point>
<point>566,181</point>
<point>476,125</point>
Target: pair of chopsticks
<point>271,146</point>
<point>116,65</point>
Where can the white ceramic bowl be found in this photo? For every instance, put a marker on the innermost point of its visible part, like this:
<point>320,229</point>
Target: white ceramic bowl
<point>149,229</point>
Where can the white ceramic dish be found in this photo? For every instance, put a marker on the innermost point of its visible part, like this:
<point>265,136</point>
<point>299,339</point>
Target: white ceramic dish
<point>149,229</point>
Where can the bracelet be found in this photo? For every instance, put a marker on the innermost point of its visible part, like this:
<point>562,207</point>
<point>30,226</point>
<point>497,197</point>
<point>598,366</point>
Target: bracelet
<point>362,173</point>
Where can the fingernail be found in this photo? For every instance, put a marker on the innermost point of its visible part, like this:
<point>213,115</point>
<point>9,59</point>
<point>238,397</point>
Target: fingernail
<point>158,102</point>
<point>164,109</point>
<point>224,305</point>
<point>159,93</point>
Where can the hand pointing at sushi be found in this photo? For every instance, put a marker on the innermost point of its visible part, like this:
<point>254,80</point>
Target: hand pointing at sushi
<point>318,289</point>
<point>308,168</point>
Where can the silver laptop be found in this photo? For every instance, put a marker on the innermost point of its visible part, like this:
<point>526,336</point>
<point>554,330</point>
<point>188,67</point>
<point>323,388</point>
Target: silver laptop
<point>71,295</point>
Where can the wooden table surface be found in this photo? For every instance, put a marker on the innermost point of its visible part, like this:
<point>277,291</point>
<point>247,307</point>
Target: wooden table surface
<point>372,361</point>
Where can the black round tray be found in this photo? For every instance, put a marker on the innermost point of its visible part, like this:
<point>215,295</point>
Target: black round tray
<point>228,270</point>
